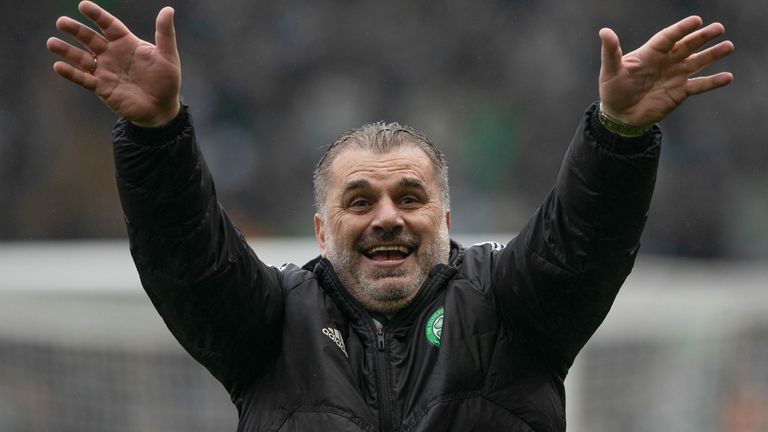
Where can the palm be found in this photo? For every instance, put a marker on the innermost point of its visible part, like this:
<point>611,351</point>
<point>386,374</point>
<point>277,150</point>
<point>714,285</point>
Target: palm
<point>134,78</point>
<point>644,86</point>
<point>647,94</point>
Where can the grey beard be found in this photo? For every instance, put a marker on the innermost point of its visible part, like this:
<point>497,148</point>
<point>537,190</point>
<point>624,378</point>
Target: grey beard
<point>393,299</point>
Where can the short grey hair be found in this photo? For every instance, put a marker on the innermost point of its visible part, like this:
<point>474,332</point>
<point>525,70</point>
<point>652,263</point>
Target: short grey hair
<point>379,138</point>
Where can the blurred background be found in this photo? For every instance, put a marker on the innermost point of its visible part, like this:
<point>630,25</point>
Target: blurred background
<point>499,86</point>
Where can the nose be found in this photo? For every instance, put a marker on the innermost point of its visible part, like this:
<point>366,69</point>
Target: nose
<point>387,216</point>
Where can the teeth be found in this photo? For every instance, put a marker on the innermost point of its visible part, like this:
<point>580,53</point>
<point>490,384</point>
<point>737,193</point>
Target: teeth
<point>401,249</point>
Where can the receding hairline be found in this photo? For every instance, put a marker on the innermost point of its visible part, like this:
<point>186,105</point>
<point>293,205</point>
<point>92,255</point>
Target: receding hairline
<point>404,145</point>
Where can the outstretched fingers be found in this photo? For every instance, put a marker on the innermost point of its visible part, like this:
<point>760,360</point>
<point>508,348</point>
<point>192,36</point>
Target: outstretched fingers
<point>74,56</point>
<point>694,41</point>
<point>84,34</point>
<point>75,75</point>
<point>165,33</point>
<point>610,52</point>
<point>112,27</point>
<point>665,40</point>
<point>700,85</point>
<point>701,60</point>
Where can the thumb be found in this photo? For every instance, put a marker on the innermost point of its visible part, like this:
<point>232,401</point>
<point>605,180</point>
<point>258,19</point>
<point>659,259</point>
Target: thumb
<point>165,33</point>
<point>610,53</point>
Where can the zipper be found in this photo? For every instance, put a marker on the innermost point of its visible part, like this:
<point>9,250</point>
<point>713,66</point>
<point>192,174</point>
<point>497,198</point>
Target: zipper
<point>386,417</point>
<point>380,334</point>
<point>382,375</point>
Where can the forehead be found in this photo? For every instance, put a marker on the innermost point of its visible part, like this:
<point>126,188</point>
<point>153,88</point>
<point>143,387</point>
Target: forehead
<point>356,164</point>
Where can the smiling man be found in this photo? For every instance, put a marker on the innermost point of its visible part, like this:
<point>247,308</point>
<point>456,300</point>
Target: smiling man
<point>383,218</point>
<point>393,327</point>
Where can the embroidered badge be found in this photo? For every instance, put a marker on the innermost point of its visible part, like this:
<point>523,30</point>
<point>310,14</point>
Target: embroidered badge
<point>434,327</point>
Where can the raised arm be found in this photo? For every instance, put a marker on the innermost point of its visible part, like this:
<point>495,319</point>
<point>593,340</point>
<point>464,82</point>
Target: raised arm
<point>222,303</point>
<point>136,79</point>
<point>557,280</point>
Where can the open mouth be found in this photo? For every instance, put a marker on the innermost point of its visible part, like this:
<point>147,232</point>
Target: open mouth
<point>388,252</point>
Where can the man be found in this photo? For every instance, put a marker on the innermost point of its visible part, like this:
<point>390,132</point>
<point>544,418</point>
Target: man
<point>394,327</point>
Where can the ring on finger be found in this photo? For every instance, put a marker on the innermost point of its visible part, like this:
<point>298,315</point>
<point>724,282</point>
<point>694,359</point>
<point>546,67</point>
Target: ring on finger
<point>94,65</point>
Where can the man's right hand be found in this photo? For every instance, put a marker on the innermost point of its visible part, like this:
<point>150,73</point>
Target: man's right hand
<point>135,79</point>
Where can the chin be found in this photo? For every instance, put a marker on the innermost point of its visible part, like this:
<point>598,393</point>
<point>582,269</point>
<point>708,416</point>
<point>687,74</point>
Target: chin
<point>389,295</point>
<point>389,307</point>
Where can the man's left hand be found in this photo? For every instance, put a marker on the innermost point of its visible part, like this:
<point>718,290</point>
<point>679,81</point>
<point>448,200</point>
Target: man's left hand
<point>645,85</point>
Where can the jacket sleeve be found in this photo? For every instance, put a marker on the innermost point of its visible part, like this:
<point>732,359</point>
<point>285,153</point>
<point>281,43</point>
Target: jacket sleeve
<point>556,281</point>
<point>218,299</point>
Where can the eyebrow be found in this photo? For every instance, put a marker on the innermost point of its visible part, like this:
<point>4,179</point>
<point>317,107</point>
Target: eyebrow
<point>414,183</point>
<point>355,185</point>
<point>405,182</point>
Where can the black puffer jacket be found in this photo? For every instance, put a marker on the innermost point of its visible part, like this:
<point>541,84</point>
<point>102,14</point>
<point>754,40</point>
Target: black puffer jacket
<point>485,345</point>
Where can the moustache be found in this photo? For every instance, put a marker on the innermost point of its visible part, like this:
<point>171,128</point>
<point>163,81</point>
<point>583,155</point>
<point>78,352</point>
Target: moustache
<point>392,237</point>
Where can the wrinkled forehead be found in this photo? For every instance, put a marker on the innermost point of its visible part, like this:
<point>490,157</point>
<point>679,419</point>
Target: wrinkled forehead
<point>406,161</point>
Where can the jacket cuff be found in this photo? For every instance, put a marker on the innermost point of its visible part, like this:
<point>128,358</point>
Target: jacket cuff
<point>616,143</point>
<point>158,135</point>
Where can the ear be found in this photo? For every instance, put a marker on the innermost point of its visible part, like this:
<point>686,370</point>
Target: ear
<point>448,219</point>
<point>320,233</point>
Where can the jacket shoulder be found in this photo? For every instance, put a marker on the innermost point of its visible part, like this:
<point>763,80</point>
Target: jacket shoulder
<point>477,264</point>
<point>293,276</point>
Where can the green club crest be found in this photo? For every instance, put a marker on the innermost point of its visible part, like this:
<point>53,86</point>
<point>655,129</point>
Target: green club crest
<point>434,327</point>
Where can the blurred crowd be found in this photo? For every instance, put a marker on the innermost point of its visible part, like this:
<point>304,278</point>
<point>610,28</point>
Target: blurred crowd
<point>500,86</point>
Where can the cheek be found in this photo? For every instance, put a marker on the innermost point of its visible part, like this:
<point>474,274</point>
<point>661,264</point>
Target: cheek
<point>347,228</point>
<point>430,222</point>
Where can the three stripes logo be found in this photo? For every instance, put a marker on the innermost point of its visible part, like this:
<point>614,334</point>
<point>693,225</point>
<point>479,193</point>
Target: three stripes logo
<point>494,245</point>
<point>335,336</point>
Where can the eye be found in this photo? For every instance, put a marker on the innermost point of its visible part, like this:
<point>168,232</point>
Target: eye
<point>409,200</point>
<point>360,202</point>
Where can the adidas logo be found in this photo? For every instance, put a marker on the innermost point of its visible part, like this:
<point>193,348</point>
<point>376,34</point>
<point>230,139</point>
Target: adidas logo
<point>335,336</point>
